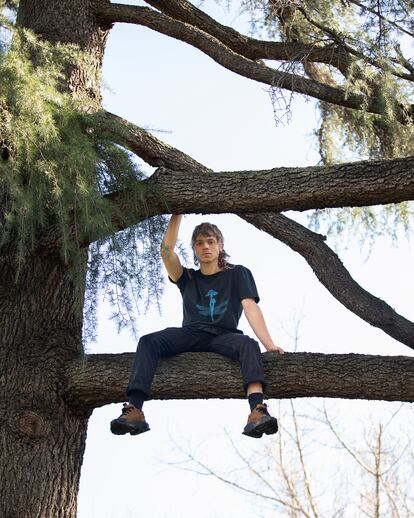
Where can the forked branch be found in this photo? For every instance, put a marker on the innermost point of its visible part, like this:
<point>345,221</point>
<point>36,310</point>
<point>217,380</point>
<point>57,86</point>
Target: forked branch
<point>238,63</point>
<point>332,274</point>
<point>277,189</point>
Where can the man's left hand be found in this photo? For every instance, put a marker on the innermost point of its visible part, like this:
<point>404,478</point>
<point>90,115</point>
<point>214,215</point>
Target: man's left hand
<point>275,349</point>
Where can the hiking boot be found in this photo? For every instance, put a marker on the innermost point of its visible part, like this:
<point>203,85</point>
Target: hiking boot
<point>132,420</point>
<point>260,422</point>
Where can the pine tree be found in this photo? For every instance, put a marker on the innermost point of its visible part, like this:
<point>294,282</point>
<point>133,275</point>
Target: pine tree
<point>78,216</point>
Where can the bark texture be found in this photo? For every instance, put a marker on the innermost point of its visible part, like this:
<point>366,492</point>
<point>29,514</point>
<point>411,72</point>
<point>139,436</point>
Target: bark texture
<point>102,378</point>
<point>355,184</point>
<point>42,436</point>
<point>74,22</point>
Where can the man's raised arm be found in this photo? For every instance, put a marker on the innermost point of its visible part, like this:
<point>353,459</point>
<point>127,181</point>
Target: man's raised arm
<point>170,258</point>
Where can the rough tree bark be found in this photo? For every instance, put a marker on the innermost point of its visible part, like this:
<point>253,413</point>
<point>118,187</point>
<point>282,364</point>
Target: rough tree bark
<point>42,436</point>
<point>73,22</point>
<point>47,386</point>
<point>100,379</point>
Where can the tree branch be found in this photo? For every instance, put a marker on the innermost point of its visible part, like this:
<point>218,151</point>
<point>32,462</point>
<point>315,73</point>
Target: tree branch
<point>279,189</point>
<point>251,48</point>
<point>326,264</point>
<point>381,17</point>
<point>330,271</point>
<point>155,152</point>
<point>100,379</point>
<point>350,184</point>
<point>235,62</point>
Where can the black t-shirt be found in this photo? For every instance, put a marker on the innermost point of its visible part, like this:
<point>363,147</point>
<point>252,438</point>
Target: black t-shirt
<point>213,302</point>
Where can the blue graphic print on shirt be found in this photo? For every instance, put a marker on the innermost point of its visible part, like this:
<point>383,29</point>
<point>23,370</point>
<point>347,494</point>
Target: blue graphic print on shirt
<point>214,302</point>
<point>212,309</point>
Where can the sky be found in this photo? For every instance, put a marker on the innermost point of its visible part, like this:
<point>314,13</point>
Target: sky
<point>227,123</point>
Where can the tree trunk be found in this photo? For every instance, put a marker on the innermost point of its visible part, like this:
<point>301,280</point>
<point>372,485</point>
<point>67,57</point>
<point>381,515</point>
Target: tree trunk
<point>42,437</point>
<point>72,22</point>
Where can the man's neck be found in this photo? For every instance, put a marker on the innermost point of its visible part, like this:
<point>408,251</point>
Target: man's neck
<point>210,268</point>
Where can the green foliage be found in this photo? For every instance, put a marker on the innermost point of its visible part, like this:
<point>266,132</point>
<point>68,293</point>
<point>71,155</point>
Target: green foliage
<point>126,268</point>
<point>377,36</point>
<point>41,136</point>
<point>57,171</point>
<point>9,4</point>
<point>39,129</point>
<point>364,224</point>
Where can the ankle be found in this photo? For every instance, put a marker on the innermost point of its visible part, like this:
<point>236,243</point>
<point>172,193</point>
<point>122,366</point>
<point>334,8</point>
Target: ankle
<point>256,398</point>
<point>137,398</point>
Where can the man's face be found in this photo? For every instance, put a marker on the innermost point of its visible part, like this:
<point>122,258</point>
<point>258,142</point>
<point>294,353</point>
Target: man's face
<point>207,249</point>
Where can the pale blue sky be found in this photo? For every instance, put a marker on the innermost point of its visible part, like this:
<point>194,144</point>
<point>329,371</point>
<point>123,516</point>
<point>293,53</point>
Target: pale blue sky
<point>225,122</point>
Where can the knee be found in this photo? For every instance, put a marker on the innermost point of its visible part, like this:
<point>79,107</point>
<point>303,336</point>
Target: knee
<point>148,344</point>
<point>249,347</point>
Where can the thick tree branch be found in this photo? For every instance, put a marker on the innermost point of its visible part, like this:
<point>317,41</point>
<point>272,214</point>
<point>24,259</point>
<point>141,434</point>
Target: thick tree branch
<point>251,48</point>
<point>322,259</point>
<point>102,379</point>
<point>235,62</point>
<point>279,189</point>
<point>155,152</point>
<point>276,190</point>
<point>338,54</point>
<point>330,271</point>
<point>351,184</point>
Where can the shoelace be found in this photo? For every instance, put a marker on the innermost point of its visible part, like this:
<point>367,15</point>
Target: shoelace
<point>126,408</point>
<point>262,409</point>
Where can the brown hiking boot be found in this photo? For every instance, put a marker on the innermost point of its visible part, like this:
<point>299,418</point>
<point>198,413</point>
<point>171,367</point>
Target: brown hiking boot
<point>132,420</point>
<point>260,422</point>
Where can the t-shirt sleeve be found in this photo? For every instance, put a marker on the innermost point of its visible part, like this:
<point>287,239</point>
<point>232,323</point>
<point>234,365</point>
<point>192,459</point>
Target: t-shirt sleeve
<point>182,281</point>
<point>246,287</point>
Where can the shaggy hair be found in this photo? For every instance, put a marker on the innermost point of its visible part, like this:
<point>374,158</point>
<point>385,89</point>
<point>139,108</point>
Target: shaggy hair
<point>206,230</point>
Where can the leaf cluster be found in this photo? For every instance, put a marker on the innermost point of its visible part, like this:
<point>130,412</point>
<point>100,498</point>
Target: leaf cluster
<point>374,36</point>
<point>56,171</point>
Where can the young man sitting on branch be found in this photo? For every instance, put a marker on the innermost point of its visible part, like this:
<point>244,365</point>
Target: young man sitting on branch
<point>213,299</point>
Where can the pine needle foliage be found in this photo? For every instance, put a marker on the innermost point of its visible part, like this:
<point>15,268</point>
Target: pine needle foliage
<point>127,270</point>
<point>56,170</point>
<point>377,36</point>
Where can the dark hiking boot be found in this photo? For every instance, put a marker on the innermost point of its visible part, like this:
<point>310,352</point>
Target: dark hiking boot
<point>132,420</point>
<point>260,422</point>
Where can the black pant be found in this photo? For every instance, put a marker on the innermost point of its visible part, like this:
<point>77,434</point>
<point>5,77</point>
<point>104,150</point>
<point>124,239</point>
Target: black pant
<point>176,340</point>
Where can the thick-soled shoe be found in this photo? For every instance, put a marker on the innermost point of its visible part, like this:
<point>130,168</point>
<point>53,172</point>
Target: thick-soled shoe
<point>132,420</point>
<point>260,422</point>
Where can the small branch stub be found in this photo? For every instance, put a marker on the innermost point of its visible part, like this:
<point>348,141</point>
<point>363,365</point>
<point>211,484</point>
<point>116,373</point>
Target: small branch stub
<point>32,424</point>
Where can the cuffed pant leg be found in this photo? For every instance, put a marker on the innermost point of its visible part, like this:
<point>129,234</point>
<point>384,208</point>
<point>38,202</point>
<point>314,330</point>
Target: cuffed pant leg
<point>243,349</point>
